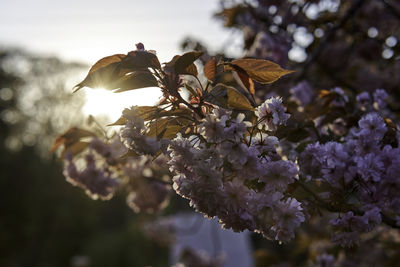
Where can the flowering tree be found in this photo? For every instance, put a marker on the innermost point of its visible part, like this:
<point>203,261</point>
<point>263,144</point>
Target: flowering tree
<point>271,156</point>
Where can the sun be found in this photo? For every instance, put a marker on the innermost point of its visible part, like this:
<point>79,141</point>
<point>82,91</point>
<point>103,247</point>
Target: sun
<point>102,102</point>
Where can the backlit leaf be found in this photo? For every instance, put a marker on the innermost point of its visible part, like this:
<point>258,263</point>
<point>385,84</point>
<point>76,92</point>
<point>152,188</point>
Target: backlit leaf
<point>217,95</point>
<point>149,112</point>
<point>166,127</point>
<point>120,121</point>
<point>140,60</point>
<point>184,64</point>
<point>157,127</point>
<point>247,82</point>
<point>135,80</point>
<point>102,73</point>
<point>210,69</point>
<point>262,71</point>
<point>237,100</point>
<point>171,131</point>
<point>75,148</point>
<point>71,136</point>
<point>186,60</point>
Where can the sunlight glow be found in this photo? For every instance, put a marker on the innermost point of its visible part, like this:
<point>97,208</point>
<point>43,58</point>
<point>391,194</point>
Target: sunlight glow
<point>101,102</point>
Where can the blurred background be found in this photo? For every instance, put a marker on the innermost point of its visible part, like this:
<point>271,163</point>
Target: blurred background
<point>46,47</point>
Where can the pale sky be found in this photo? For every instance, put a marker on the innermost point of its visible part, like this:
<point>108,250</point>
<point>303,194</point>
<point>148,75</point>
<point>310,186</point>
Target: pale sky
<point>87,30</point>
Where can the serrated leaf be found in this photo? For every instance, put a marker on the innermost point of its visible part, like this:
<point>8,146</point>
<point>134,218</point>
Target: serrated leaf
<point>135,80</point>
<point>237,100</point>
<point>262,71</point>
<point>102,72</point>
<point>210,69</point>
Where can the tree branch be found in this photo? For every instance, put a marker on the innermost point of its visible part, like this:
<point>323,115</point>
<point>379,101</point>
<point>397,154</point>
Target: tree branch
<point>328,37</point>
<point>327,206</point>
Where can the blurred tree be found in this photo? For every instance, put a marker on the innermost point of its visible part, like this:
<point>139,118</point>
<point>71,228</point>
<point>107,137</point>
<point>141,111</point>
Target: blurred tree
<point>43,222</point>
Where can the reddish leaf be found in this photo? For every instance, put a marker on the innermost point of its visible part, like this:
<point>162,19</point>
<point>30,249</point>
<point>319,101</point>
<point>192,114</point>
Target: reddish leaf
<point>120,121</point>
<point>230,14</point>
<point>75,148</point>
<point>102,73</point>
<point>140,60</point>
<point>210,69</point>
<point>247,82</point>
<point>262,71</point>
<point>135,80</point>
<point>184,64</point>
<point>71,136</point>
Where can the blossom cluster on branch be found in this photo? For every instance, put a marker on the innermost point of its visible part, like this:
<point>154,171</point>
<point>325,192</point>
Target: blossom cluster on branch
<point>244,143</point>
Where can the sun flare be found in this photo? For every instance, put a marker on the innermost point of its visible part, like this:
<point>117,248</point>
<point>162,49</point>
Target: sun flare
<point>102,102</point>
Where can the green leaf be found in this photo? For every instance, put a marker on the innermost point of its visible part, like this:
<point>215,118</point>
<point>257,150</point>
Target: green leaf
<point>102,73</point>
<point>237,100</point>
<point>262,71</point>
<point>136,80</point>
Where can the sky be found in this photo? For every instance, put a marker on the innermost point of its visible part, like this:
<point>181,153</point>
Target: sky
<point>87,30</point>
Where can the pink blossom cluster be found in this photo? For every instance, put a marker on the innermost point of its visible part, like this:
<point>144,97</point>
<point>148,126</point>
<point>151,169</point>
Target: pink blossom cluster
<point>94,171</point>
<point>364,169</point>
<point>239,178</point>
